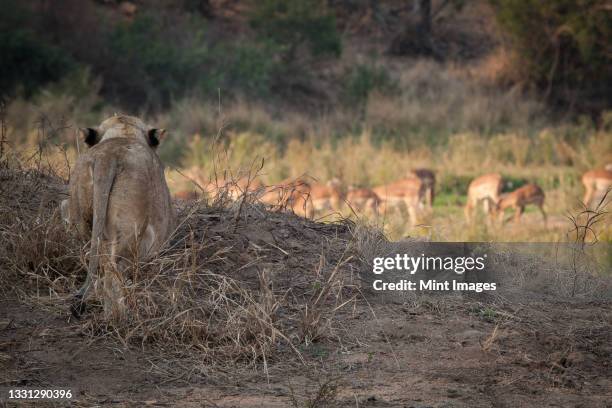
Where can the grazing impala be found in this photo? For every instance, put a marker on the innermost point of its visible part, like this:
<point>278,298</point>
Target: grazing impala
<point>327,196</point>
<point>428,178</point>
<point>227,187</point>
<point>232,189</point>
<point>519,198</point>
<point>283,193</point>
<point>294,194</point>
<point>408,192</point>
<point>363,200</point>
<point>485,189</point>
<point>596,183</point>
<point>236,189</point>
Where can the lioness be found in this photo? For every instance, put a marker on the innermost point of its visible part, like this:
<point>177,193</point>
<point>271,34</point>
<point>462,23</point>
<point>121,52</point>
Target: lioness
<point>119,198</point>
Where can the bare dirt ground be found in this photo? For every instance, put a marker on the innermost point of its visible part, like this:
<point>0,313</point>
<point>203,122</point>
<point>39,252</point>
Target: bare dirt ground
<point>449,352</point>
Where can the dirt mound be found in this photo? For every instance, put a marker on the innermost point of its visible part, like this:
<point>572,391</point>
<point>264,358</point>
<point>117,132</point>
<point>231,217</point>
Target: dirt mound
<point>30,190</point>
<point>236,281</point>
<point>239,282</point>
<point>252,238</point>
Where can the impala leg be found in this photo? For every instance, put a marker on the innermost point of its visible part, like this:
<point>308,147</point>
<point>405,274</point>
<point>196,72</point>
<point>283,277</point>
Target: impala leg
<point>432,195</point>
<point>489,206</point>
<point>518,213</point>
<point>412,212</point>
<point>468,210</point>
<point>507,220</point>
<point>486,206</point>
<point>588,196</point>
<point>541,207</point>
<point>500,216</point>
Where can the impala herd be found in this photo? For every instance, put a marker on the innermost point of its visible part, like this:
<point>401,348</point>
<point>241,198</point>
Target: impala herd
<point>413,194</point>
<point>119,201</point>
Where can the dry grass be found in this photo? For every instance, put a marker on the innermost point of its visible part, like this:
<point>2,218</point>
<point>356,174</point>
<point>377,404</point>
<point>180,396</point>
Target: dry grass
<point>545,158</point>
<point>222,287</point>
<point>236,283</point>
<point>441,116</point>
<point>490,340</point>
<point>37,252</point>
<point>324,395</point>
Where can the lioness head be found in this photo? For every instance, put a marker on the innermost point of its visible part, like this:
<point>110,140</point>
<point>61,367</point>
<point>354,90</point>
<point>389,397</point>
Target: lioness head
<point>121,126</point>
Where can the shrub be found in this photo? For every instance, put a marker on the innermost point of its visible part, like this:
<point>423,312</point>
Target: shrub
<point>361,80</point>
<point>28,63</point>
<point>149,65</point>
<point>153,63</point>
<point>245,66</point>
<point>293,24</point>
<point>563,45</point>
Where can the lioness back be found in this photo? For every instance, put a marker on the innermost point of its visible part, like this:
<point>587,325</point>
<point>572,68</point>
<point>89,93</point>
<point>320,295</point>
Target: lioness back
<point>120,200</point>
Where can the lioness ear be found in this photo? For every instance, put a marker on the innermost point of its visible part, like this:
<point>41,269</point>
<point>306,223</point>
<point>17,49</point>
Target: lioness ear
<point>156,136</point>
<point>90,136</point>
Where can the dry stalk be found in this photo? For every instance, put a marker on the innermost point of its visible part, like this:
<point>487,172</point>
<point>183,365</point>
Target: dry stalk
<point>585,234</point>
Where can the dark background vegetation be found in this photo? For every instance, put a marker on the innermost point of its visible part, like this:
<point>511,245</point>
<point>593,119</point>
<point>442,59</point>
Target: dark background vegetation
<point>148,54</point>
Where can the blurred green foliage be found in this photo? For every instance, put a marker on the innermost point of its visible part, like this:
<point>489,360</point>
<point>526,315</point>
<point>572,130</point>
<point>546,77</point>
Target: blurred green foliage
<point>291,24</point>
<point>144,64</point>
<point>563,45</point>
<point>158,67</point>
<point>175,61</point>
<point>361,80</point>
<point>28,62</point>
<point>152,66</point>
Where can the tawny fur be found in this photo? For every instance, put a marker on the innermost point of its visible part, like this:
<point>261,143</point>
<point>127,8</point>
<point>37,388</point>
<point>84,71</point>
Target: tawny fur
<point>408,192</point>
<point>363,200</point>
<point>485,189</point>
<point>304,197</point>
<point>120,200</point>
<point>186,195</point>
<point>327,197</point>
<point>520,198</point>
<point>428,178</point>
<point>289,194</point>
<point>596,184</point>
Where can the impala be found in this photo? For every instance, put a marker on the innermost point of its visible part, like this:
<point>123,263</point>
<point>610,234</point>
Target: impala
<point>242,186</point>
<point>327,196</point>
<point>230,188</point>
<point>521,197</point>
<point>407,192</point>
<point>485,189</point>
<point>428,178</point>
<point>596,183</point>
<point>289,193</point>
<point>363,200</point>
